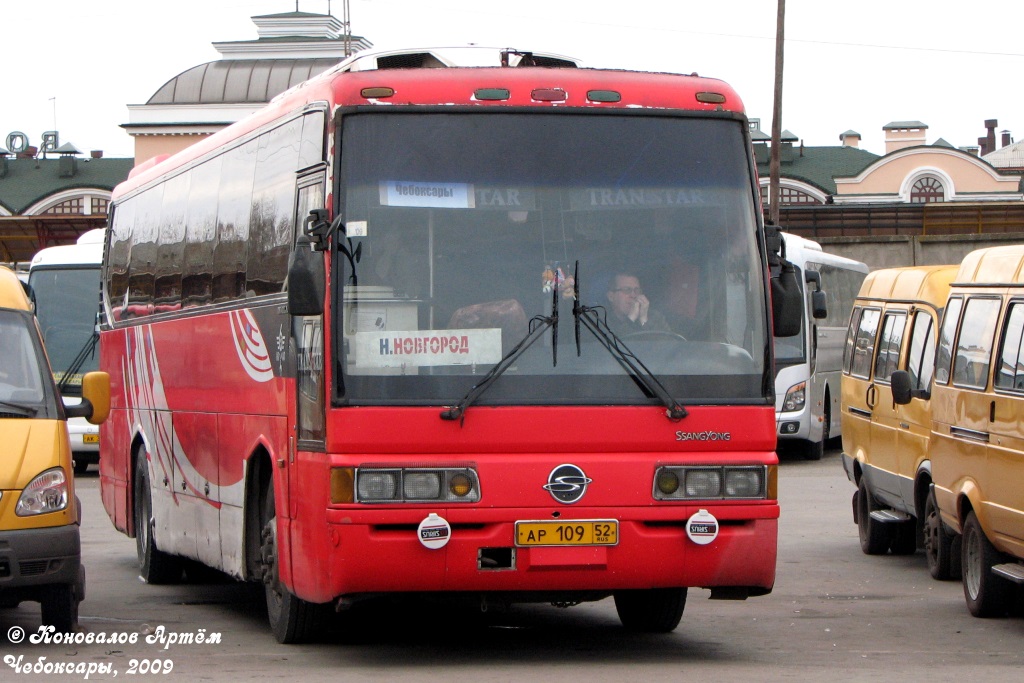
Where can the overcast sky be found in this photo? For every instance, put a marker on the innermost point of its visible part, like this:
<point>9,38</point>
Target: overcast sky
<point>77,64</point>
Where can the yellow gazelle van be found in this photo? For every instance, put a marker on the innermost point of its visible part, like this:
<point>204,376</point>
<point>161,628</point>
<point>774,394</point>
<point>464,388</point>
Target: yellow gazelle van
<point>40,546</point>
<point>977,440</point>
<point>893,327</point>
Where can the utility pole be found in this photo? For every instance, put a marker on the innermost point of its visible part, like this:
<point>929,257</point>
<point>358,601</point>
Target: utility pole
<point>774,163</point>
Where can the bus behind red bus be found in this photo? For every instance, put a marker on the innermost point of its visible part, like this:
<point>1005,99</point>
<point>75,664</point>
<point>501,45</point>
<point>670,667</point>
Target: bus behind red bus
<point>502,332</point>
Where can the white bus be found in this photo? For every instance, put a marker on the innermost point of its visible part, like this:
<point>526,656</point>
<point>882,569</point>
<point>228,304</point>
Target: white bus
<point>65,289</point>
<point>808,366</point>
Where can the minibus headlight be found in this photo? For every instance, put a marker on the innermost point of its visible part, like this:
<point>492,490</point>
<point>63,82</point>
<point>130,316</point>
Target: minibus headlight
<point>46,493</point>
<point>413,485</point>
<point>796,398</point>
<point>684,482</point>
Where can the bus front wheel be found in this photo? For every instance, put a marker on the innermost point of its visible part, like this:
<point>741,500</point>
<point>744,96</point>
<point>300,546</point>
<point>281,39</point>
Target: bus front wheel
<point>155,566</point>
<point>292,619</point>
<point>654,610</point>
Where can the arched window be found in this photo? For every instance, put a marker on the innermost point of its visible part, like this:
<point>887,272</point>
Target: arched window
<point>789,196</point>
<point>927,189</point>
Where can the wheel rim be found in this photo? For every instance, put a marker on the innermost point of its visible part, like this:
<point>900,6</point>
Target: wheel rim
<point>972,570</point>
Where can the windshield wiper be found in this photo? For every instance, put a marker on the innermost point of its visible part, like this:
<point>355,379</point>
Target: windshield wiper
<point>591,319</point>
<point>87,350</point>
<point>18,408</point>
<point>538,325</point>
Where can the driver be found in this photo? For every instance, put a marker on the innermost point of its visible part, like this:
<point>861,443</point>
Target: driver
<point>629,310</point>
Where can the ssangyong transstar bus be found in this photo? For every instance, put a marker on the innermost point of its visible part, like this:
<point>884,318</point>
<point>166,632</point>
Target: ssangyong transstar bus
<point>361,343</point>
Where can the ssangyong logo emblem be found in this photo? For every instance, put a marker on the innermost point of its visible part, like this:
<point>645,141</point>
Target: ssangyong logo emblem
<point>567,483</point>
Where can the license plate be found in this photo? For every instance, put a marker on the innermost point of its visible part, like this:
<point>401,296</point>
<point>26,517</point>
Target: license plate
<point>570,532</point>
<point>90,438</point>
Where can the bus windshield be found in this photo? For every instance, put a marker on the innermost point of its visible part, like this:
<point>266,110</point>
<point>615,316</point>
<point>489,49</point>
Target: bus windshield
<point>460,227</point>
<point>66,301</point>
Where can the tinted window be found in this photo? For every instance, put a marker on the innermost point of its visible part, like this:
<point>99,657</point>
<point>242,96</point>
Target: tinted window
<point>1011,361</point>
<point>864,343</point>
<point>273,195</point>
<point>974,347</point>
<point>889,345</point>
<point>921,357</point>
<point>201,234</point>
<point>943,360</point>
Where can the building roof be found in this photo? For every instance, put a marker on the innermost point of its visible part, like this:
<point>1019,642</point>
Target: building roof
<point>29,181</point>
<point>818,166</point>
<point>904,124</point>
<point>1011,156</point>
<point>238,80</point>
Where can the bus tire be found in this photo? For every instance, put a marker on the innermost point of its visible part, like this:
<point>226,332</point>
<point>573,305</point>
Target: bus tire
<point>987,595</point>
<point>654,610</point>
<point>155,566</point>
<point>939,544</point>
<point>874,536</point>
<point>292,619</point>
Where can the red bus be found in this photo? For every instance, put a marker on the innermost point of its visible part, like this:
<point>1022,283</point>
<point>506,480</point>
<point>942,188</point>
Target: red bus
<point>370,340</point>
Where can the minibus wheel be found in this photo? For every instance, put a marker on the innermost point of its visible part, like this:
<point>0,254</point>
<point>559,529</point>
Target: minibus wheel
<point>655,610</point>
<point>939,544</point>
<point>59,607</point>
<point>987,595</point>
<point>874,535</point>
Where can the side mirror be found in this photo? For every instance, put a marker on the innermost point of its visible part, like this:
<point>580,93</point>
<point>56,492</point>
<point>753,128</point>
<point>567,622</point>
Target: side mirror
<point>306,279</point>
<point>95,405</point>
<point>819,306</point>
<point>787,302</point>
<point>902,392</point>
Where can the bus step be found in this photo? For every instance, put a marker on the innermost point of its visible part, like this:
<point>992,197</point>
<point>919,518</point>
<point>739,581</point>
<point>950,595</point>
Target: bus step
<point>1010,570</point>
<point>889,516</point>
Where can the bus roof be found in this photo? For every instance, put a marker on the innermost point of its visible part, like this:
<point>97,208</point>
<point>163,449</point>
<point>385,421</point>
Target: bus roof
<point>929,284</point>
<point>87,251</point>
<point>993,266</point>
<point>12,292</point>
<point>484,87</point>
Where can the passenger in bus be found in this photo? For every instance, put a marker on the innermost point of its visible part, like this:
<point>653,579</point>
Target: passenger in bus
<point>629,309</point>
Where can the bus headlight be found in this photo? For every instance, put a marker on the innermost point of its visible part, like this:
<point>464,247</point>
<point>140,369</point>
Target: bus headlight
<point>411,485</point>
<point>683,482</point>
<point>796,398</point>
<point>46,493</point>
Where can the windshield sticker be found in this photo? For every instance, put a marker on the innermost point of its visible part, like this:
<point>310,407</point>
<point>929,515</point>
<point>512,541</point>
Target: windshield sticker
<point>508,198</point>
<point>427,348</point>
<point>598,198</point>
<point>427,195</point>
<point>355,229</point>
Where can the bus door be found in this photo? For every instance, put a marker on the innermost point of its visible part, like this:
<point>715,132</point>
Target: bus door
<point>308,336</point>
